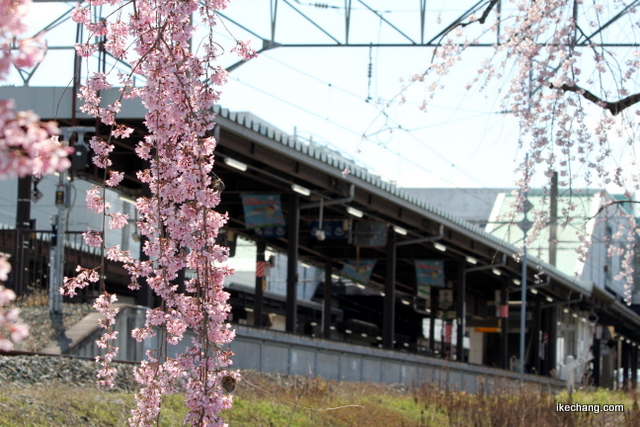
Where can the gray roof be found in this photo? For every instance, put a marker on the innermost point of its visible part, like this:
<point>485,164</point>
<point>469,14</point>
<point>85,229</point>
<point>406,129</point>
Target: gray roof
<point>471,204</point>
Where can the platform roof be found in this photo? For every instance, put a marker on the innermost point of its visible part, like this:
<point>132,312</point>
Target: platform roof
<point>276,160</point>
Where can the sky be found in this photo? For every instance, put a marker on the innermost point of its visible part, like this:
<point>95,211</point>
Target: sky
<point>326,94</point>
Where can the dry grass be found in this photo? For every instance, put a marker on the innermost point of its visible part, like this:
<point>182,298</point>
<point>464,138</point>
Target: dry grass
<point>34,297</point>
<point>280,400</point>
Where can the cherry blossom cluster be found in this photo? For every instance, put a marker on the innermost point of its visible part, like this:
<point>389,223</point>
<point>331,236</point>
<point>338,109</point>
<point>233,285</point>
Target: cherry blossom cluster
<point>104,305</point>
<point>575,100</point>
<point>27,145</point>
<point>12,330</point>
<point>178,221</point>
<point>12,26</point>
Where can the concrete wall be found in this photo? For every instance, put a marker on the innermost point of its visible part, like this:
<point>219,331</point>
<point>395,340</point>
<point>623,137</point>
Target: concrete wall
<point>275,351</point>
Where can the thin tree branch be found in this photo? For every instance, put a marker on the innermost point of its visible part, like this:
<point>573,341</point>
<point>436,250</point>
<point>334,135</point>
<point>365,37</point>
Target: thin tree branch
<point>614,107</point>
<point>611,203</point>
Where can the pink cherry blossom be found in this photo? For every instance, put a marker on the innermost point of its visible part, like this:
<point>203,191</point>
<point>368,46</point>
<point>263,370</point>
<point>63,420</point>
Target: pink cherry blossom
<point>114,178</point>
<point>243,50</point>
<point>92,238</point>
<point>27,145</point>
<point>178,219</point>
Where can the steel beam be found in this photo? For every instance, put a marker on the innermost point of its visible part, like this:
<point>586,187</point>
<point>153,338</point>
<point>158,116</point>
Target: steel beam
<point>23,223</point>
<point>292,262</point>
<point>388,322</point>
<point>504,329</point>
<point>460,310</point>
<point>261,246</point>
<point>326,306</point>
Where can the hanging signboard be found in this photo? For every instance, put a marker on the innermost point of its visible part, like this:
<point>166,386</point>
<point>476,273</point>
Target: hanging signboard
<point>429,273</point>
<point>370,234</point>
<point>359,270</point>
<point>424,292</point>
<point>262,210</point>
<point>271,232</point>
<point>445,298</point>
<point>333,229</point>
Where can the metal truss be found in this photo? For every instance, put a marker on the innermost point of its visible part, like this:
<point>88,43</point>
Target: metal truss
<point>413,31</point>
<point>377,23</point>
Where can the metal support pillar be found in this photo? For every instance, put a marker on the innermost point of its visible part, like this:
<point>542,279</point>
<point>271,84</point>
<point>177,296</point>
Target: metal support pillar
<point>536,336</point>
<point>523,311</point>
<point>328,291</point>
<point>634,368</point>
<point>432,322</point>
<point>553,220</point>
<point>23,223</point>
<point>504,327</point>
<point>292,263</point>
<point>388,323</point>
<point>625,366</point>
<point>261,246</point>
<point>56,274</point>
<point>596,362</point>
<point>460,310</point>
<point>553,336</point>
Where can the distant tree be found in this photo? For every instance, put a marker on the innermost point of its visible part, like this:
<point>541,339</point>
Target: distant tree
<point>568,72</point>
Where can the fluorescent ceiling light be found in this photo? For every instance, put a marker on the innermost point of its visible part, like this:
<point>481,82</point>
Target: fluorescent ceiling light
<point>405,302</point>
<point>439,246</point>
<point>300,189</point>
<point>534,291</point>
<point>517,282</point>
<point>355,212</point>
<point>566,310</point>
<point>472,260</point>
<point>127,200</point>
<point>235,164</point>
<point>549,299</point>
<point>400,230</point>
<point>496,271</point>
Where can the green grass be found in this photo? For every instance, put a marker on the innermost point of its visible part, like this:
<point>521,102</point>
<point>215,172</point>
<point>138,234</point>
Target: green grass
<point>303,401</point>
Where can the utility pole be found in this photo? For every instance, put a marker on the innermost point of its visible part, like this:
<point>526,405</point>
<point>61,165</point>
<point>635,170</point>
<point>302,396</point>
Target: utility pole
<point>59,228</point>
<point>524,225</point>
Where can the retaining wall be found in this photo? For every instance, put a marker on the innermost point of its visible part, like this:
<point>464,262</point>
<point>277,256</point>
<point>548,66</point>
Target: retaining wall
<point>275,351</point>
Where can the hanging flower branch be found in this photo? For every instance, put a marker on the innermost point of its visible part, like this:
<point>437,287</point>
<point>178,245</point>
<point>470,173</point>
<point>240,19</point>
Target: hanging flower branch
<point>548,58</point>
<point>28,146</point>
<point>179,219</point>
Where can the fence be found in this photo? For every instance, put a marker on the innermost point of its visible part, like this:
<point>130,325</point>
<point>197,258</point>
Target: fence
<point>30,256</point>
